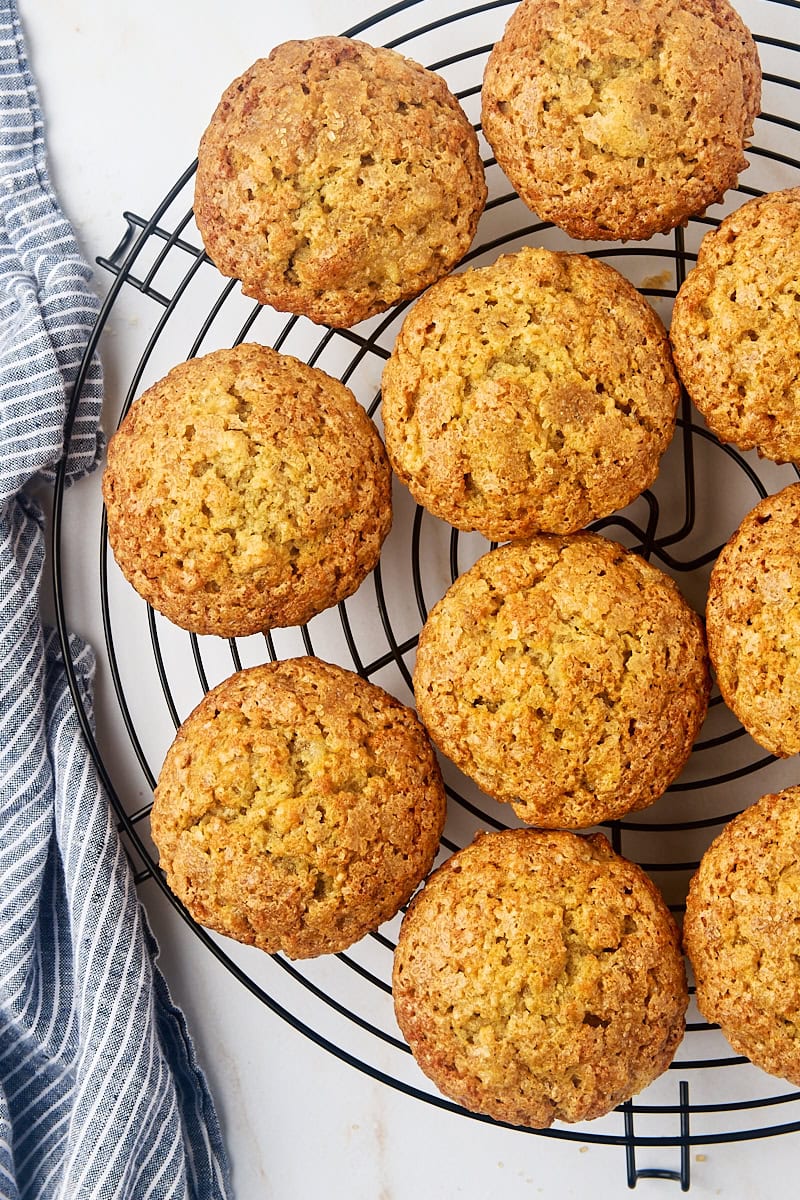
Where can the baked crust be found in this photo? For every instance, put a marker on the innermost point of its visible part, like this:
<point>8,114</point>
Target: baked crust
<point>736,327</point>
<point>538,977</point>
<point>621,119</point>
<point>535,394</point>
<point>336,179</point>
<point>298,807</point>
<point>753,622</point>
<point>741,933</point>
<point>246,490</point>
<point>566,676</point>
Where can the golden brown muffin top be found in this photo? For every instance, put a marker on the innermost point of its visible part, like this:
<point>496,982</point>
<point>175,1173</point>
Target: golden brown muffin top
<point>753,622</point>
<point>736,327</point>
<point>538,977</point>
<point>336,178</point>
<point>742,933</point>
<point>621,119</point>
<point>246,490</point>
<point>537,393</point>
<point>566,676</point>
<point>298,807</point>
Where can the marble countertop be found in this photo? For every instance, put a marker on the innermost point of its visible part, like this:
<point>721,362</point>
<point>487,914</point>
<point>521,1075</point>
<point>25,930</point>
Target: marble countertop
<point>127,91</point>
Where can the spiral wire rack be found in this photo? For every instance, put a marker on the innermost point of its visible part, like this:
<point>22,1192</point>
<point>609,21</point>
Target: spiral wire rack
<point>343,1003</point>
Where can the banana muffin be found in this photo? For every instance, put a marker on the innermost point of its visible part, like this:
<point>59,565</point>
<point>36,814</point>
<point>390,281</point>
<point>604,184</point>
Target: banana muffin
<point>538,977</point>
<point>566,676</point>
<point>336,178</point>
<point>298,807</point>
<point>736,327</point>
<point>621,119</point>
<point>753,622</point>
<point>246,490</point>
<point>535,394</point>
<point>742,933</point>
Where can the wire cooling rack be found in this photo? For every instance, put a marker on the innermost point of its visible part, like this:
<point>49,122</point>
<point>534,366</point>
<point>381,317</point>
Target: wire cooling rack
<point>184,308</point>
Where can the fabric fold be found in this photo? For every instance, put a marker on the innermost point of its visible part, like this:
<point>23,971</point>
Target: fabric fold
<point>100,1091</point>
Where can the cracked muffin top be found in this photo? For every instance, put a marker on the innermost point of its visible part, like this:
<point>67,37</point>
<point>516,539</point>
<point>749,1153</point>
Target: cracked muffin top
<point>246,490</point>
<point>736,327</point>
<point>336,178</point>
<point>298,807</point>
<point>566,676</point>
<point>538,977</point>
<point>534,394</point>
<point>620,119</point>
<point>742,933</point>
<point>753,622</point>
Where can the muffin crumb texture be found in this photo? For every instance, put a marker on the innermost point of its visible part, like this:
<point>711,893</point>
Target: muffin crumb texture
<point>298,808</point>
<point>736,327</point>
<point>337,178</point>
<point>535,394</point>
<point>246,490</point>
<point>538,978</point>
<point>753,622</point>
<point>566,676</point>
<point>621,119</point>
<point>742,933</point>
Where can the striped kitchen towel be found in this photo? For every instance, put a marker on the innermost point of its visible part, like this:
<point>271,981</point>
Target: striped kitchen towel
<point>100,1092</point>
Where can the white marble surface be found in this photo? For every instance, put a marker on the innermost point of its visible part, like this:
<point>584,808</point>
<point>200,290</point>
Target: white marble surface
<point>127,90</point>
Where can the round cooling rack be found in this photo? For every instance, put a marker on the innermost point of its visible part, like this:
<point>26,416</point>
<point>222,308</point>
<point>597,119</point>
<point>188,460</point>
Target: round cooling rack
<point>178,306</point>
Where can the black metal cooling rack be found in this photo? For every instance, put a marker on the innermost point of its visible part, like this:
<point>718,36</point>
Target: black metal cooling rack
<point>344,1005</point>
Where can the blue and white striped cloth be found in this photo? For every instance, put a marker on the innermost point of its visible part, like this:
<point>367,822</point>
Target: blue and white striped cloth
<point>100,1092</point>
